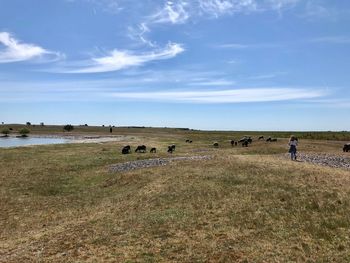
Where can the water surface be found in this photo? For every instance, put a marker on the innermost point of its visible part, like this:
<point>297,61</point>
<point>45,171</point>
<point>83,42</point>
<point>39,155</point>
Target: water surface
<point>16,142</point>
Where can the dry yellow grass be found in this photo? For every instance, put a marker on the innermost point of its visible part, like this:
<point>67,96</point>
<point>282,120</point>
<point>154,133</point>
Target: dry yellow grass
<point>59,203</point>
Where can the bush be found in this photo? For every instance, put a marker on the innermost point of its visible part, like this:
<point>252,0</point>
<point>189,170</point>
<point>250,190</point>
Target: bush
<point>24,132</point>
<point>68,127</point>
<point>28,123</point>
<point>6,132</point>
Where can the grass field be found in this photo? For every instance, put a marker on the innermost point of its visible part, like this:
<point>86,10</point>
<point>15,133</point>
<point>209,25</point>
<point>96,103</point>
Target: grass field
<point>59,203</point>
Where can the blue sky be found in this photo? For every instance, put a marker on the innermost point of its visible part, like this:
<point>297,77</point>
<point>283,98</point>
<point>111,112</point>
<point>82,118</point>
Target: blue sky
<point>205,64</point>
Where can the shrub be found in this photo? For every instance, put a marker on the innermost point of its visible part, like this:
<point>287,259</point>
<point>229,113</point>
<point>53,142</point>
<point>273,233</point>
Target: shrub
<point>24,132</point>
<point>28,123</point>
<point>68,127</point>
<point>6,132</point>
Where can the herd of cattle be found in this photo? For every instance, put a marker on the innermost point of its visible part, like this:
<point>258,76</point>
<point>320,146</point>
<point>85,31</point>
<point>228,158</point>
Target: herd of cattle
<point>245,141</point>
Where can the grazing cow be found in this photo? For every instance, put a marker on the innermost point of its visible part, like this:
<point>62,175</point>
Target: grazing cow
<point>346,147</point>
<point>245,143</point>
<point>140,149</point>
<point>126,149</point>
<point>261,138</point>
<point>242,139</point>
<point>233,143</point>
<point>190,141</point>
<point>246,138</point>
<point>187,141</point>
<point>171,148</point>
<point>216,144</point>
<point>236,143</point>
<point>153,150</point>
<point>271,139</point>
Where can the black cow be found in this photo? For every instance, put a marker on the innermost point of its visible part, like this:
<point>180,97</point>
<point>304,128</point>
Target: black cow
<point>171,148</point>
<point>190,141</point>
<point>126,149</point>
<point>153,150</point>
<point>246,138</point>
<point>232,143</point>
<point>140,149</point>
<point>261,138</point>
<point>346,147</point>
<point>216,144</point>
<point>271,139</point>
<point>187,141</point>
<point>245,143</point>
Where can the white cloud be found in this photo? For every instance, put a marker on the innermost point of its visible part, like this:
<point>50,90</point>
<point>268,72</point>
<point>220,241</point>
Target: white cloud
<point>220,7</point>
<point>14,51</point>
<point>174,13</point>
<point>118,60</point>
<point>223,96</point>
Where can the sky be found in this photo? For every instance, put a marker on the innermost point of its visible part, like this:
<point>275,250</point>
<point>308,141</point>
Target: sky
<point>201,64</point>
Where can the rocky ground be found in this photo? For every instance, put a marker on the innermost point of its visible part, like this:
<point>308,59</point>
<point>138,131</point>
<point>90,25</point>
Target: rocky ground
<point>336,161</point>
<point>140,164</point>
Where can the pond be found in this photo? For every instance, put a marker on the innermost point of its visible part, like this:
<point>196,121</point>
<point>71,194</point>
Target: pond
<point>16,142</point>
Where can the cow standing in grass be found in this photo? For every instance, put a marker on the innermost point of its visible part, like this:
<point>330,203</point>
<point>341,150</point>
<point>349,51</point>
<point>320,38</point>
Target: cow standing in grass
<point>346,147</point>
<point>126,149</point>
<point>171,148</point>
<point>140,149</point>
<point>153,150</point>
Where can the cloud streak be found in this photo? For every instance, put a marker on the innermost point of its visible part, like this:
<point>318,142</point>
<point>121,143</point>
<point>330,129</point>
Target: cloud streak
<point>14,51</point>
<point>223,96</point>
<point>173,13</point>
<point>117,60</point>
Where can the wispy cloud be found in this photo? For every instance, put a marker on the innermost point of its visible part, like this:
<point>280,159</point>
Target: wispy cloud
<point>217,83</point>
<point>172,12</point>
<point>14,51</point>
<point>223,96</point>
<point>282,4</point>
<point>217,8</point>
<point>118,60</point>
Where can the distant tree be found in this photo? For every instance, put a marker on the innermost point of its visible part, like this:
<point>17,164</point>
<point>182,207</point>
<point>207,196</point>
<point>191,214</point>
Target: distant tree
<point>85,125</point>
<point>68,127</point>
<point>6,132</point>
<point>103,125</point>
<point>41,124</point>
<point>24,132</point>
<point>28,123</point>
<point>2,122</point>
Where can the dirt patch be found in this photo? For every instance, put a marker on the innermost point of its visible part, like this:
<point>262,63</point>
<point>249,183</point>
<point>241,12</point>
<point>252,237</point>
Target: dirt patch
<point>336,161</point>
<point>140,164</point>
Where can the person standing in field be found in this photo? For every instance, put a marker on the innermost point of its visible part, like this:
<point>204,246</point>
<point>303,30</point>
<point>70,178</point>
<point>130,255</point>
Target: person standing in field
<point>293,143</point>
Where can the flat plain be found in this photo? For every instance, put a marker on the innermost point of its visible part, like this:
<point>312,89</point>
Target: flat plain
<point>61,203</point>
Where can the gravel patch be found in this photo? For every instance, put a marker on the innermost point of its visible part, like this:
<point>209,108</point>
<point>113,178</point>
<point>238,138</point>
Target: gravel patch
<point>336,161</point>
<point>140,164</point>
